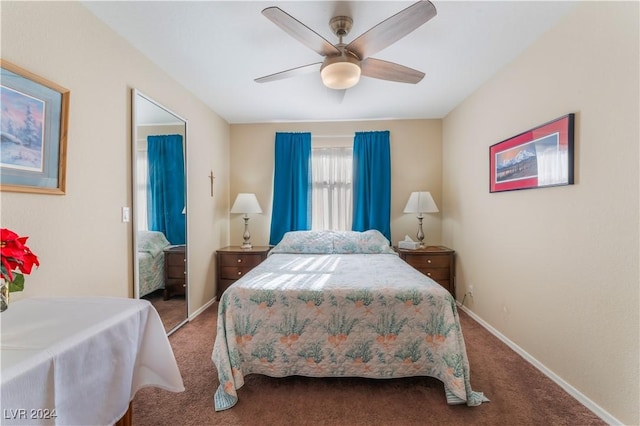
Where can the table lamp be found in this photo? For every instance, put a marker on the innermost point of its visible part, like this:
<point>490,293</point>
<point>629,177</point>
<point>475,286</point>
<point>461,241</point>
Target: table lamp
<point>245,204</point>
<point>421,202</point>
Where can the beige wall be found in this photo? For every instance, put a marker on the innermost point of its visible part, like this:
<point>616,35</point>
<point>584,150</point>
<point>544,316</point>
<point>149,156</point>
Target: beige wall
<point>83,246</point>
<point>416,152</point>
<point>556,270</point>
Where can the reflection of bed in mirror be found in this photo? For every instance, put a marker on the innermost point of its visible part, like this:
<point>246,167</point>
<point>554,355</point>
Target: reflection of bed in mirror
<point>151,245</point>
<point>159,185</point>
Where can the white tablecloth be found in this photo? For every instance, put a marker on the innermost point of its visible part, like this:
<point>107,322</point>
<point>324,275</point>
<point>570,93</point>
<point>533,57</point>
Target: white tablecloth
<point>80,359</point>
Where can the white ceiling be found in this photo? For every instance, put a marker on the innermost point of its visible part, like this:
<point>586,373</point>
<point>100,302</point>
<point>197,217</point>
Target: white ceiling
<point>215,49</point>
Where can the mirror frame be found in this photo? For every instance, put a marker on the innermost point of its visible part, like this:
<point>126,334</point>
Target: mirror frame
<point>135,94</point>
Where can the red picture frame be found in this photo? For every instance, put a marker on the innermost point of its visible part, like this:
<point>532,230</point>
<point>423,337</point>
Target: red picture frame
<point>538,158</point>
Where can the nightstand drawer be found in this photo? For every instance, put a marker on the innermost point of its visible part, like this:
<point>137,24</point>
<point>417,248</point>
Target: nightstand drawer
<point>436,274</point>
<point>232,273</point>
<point>436,262</point>
<point>446,284</point>
<point>223,285</point>
<point>239,260</point>
<point>176,284</point>
<point>175,287</point>
<point>175,259</point>
<point>234,262</point>
<point>175,271</point>
<point>427,261</point>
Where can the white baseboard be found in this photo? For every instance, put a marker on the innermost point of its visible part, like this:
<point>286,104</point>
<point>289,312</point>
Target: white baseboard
<point>202,309</point>
<point>595,408</point>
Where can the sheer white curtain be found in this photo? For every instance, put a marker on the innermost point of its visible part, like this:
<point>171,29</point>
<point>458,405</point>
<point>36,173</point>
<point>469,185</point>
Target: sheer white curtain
<point>331,195</point>
<point>142,167</point>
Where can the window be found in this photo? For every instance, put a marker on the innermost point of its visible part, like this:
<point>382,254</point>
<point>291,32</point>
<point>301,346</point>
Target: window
<point>331,183</point>
<point>331,180</point>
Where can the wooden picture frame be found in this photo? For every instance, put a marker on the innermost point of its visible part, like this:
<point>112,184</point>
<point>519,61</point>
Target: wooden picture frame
<point>33,130</point>
<point>540,157</point>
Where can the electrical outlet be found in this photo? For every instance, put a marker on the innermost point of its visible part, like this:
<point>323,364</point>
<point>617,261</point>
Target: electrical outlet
<point>470,292</point>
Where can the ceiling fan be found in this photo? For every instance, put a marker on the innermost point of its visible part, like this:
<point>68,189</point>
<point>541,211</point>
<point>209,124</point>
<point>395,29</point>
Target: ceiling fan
<point>345,63</point>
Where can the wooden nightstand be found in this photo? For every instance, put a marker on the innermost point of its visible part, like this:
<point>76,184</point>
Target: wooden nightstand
<point>436,262</point>
<point>175,271</point>
<point>234,261</point>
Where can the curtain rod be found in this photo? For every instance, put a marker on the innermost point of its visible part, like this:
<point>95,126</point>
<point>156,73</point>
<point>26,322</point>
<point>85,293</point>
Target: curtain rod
<point>332,136</point>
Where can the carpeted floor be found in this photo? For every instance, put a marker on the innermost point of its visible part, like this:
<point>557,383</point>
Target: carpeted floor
<point>172,311</point>
<point>519,393</point>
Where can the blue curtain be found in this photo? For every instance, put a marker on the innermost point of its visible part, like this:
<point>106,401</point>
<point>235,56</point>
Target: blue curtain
<point>291,185</point>
<point>372,182</point>
<point>165,191</point>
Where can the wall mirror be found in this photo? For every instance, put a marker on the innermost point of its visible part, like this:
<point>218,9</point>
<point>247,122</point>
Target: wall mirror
<point>159,141</point>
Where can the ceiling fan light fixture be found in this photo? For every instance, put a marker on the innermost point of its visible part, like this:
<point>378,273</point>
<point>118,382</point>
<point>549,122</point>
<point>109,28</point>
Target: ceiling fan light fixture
<point>340,72</point>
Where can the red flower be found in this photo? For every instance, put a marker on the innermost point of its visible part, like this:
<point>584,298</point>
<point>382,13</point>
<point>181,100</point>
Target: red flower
<point>15,255</point>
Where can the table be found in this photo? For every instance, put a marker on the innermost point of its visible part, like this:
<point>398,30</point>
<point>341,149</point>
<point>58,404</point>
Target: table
<point>80,360</point>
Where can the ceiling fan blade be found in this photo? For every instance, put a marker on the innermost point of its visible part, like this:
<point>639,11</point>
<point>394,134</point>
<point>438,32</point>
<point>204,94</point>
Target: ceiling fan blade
<point>300,31</point>
<point>377,68</point>
<point>392,29</point>
<point>293,72</point>
<point>336,96</point>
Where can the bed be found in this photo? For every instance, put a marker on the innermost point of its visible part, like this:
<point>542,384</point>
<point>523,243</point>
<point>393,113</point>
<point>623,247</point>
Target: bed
<point>338,304</point>
<point>151,245</point>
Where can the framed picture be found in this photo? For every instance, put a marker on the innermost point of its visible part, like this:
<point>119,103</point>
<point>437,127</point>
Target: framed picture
<point>33,131</point>
<point>537,158</point>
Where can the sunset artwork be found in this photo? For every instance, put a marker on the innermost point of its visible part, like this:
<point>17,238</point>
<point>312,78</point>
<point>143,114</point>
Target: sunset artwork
<point>21,130</point>
<point>517,163</point>
<point>537,158</point>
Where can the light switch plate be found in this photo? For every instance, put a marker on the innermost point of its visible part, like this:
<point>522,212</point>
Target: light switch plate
<point>126,214</point>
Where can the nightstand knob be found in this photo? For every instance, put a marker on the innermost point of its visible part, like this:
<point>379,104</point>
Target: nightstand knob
<point>239,260</point>
<point>428,260</point>
<point>428,274</point>
<point>239,273</point>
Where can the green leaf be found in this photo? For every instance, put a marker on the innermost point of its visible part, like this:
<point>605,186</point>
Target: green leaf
<point>18,282</point>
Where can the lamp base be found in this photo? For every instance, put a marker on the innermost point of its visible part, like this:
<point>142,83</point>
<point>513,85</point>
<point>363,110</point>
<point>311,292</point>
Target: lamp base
<point>246,236</point>
<point>420,234</point>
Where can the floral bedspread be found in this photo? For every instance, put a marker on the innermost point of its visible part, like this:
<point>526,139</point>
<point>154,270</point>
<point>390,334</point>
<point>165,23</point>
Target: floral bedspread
<point>151,261</point>
<point>339,315</point>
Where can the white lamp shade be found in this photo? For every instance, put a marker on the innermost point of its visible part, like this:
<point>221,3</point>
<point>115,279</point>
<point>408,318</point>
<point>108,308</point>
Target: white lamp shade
<point>421,202</point>
<point>246,203</point>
